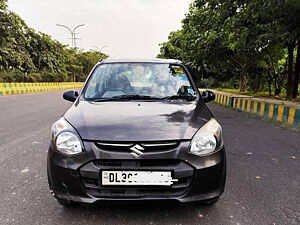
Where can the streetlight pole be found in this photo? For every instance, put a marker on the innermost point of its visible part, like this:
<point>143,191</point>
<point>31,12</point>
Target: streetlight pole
<point>73,34</point>
<point>94,46</point>
<point>99,50</point>
<point>59,25</point>
<point>73,37</point>
<point>105,46</point>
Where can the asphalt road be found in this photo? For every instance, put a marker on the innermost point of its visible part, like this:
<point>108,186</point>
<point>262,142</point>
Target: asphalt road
<point>263,183</point>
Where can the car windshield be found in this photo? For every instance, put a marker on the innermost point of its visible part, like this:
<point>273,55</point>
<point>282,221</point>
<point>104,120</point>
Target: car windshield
<point>138,80</point>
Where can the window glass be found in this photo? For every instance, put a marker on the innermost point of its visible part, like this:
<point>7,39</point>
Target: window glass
<point>151,79</point>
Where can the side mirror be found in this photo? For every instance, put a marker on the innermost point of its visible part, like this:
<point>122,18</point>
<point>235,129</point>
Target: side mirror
<point>208,96</point>
<point>70,96</point>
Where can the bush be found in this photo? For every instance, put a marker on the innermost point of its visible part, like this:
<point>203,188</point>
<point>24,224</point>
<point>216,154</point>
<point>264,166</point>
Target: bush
<point>208,83</point>
<point>13,75</point>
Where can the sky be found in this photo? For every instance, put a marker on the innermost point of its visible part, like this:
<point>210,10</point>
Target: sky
<point>130,28</point>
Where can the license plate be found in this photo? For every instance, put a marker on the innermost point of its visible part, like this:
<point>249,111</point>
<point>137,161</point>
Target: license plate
<point>131,178</point>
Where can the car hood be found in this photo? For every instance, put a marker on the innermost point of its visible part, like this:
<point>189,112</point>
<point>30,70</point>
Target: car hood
<point>137,121</point>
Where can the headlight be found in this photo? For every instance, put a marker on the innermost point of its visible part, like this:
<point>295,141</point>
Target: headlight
<point>59,126</point>
<point>68,143</point>
<point>207,139</point>
<point>65,138</point>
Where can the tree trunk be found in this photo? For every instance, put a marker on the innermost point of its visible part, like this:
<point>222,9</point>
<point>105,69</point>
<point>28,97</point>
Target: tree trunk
<point>289,89</point>
<point>275,87</point>
<point>257,84</point>
<point>243,80</point>
<point>297,73</point>
<point>270,89</point>
<point>269,80</point>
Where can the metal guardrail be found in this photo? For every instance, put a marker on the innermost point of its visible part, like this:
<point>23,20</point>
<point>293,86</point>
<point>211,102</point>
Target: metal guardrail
<point>276,112</point>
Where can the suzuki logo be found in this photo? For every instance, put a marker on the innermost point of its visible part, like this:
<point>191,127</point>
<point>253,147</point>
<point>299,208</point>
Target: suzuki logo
<point>136,151</point>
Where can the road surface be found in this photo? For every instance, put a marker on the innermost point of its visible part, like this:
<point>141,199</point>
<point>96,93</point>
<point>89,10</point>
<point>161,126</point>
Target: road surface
<point>262,184</point>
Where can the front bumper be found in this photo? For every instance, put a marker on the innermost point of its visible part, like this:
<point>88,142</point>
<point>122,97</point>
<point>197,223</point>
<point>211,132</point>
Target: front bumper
<point>78,178</point>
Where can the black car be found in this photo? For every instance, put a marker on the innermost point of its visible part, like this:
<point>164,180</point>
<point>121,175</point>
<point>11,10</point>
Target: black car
<point>138,130</point>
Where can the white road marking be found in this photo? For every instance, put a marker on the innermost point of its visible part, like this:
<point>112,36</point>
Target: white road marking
<point>25,170</point>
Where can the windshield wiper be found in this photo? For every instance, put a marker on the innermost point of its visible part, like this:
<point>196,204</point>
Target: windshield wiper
<point>145,97</point>
<point>126,98</point>
<point>108,99</point>
<point>183,97</point>
<point>135,97</point>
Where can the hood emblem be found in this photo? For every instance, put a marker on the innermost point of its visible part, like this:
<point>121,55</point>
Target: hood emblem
<point>136,151</point>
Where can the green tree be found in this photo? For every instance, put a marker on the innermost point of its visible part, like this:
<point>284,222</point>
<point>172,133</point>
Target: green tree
<point>291,28</point>
<point>3,5</point>
<point>227,39</point>
<point>27,55</point>
<point>273,64</point>
<point>14,43</point>
<point>89,59</point>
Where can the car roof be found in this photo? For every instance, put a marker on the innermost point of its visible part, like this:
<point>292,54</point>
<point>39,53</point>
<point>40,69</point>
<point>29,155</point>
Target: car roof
<point>153,60</point>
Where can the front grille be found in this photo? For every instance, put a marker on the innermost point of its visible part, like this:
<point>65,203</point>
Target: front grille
<point>90,181</point>
<point>107,163</point>
<point>91,178</point>
<point>147,146</point>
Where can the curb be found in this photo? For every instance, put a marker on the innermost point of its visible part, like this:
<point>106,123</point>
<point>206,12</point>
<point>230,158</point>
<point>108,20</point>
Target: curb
<point>276,112</point>
<point>25,88</point>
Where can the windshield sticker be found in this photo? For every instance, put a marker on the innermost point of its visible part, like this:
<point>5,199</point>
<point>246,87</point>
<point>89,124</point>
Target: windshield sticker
<point>178,70</point>
<point>191,91</point>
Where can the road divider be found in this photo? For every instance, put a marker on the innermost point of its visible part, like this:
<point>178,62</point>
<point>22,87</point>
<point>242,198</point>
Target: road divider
<point>286,114</point>
<point>24,88</point>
